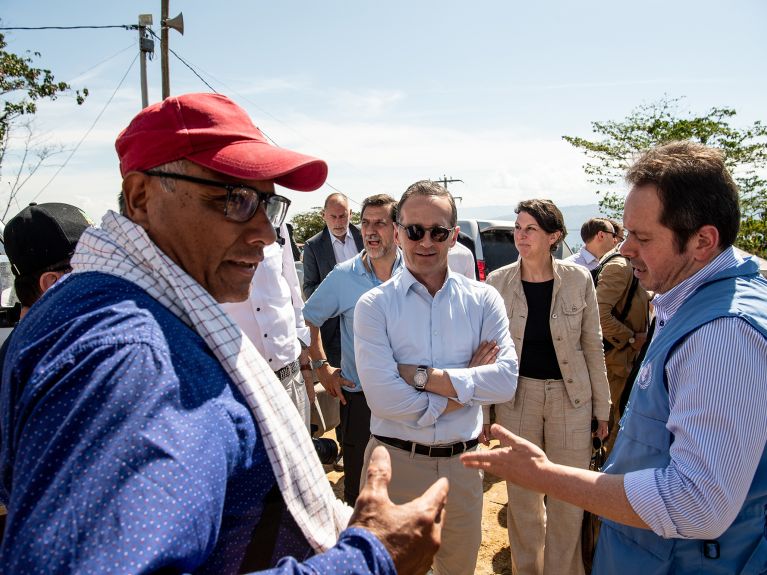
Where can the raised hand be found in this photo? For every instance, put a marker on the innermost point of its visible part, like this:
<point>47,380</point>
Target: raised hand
<point>411,532</point>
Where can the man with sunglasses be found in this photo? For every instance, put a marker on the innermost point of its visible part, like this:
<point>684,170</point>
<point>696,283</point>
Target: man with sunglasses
<point>432,347</point>
<point>141,431</point>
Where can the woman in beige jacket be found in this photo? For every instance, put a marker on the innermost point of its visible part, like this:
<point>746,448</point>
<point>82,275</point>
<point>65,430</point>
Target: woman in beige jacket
<point>562,383</point>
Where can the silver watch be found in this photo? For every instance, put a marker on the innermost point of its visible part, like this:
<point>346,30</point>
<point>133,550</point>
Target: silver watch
<point>318,363</point>
<point>421,377</point>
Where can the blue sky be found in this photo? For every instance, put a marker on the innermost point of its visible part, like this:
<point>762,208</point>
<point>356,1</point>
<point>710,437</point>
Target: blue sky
<point>393,92</point>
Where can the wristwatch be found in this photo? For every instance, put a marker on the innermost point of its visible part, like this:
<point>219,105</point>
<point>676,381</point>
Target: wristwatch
<point>318,363</point>
<point>421,377</point>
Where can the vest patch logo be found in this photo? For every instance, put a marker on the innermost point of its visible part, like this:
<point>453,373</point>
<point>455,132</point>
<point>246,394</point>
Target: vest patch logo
<point>643,377</point>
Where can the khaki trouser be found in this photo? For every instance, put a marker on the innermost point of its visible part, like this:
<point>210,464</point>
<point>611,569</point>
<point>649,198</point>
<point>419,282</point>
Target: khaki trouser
<point>546,538</point>
<point>412,474</point>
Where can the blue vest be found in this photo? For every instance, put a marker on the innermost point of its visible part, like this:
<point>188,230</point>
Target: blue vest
<point>644,443</point>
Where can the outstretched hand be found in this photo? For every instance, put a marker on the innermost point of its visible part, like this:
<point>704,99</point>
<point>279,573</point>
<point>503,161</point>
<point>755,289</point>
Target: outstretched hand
<point>517,460</point>
<point>411,532</point>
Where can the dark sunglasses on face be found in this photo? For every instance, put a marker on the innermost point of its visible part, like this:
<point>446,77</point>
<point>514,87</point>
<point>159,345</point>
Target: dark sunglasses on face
<point>242,202</point>
<point>416,232</point>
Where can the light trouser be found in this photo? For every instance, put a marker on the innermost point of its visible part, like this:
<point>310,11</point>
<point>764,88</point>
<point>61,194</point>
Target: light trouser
<point>294,385</point>
<point>412,474</point>
<point>546,538</point>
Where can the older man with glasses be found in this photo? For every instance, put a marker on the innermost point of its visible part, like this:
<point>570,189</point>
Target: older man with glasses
<point>141,431</point>
<point>431,347</point>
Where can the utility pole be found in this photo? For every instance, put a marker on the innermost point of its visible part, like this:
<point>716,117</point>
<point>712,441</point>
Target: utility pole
<point>445,181</point>
<point>176,23</point>
<point>165,6</point>
<point>145,46</point>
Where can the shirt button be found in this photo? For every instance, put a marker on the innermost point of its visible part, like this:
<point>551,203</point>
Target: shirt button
<point>265,335</point>
<point>554,316</point>
<point>662,323</point>
<point>258,309</point>
<point>577,401</point>
<point>270,360</point>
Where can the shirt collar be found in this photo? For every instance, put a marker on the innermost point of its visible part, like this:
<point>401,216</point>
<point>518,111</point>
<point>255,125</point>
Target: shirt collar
<point>407,280</point>
<point>666,304</point>
<point>587,256</point>
<point>359,266</point>
<point>347,237</point>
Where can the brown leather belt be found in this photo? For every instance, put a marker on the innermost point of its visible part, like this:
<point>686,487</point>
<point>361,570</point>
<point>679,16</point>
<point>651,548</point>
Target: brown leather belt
<point>430,450</point>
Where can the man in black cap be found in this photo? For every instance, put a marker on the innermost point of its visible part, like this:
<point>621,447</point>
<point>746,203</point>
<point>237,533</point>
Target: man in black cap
<point>39,242</point>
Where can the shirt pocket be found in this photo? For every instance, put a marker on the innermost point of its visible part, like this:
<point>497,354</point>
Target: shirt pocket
<point>573,313</point>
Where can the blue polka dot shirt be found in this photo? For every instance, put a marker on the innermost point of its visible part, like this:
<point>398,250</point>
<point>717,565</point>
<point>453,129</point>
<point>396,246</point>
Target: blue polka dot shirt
<point>124,448</point>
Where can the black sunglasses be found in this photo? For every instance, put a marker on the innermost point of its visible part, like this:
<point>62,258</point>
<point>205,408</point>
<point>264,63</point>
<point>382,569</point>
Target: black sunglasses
<point>416,232</point>
<point>242,202</point>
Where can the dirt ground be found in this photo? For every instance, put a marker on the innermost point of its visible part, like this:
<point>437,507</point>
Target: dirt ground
<point>494,553</point>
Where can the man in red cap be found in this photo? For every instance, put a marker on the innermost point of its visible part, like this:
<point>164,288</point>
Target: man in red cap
<point>141,431</point>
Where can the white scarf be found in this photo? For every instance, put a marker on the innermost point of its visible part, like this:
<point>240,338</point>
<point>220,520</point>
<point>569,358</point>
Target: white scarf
<point>122,248</point>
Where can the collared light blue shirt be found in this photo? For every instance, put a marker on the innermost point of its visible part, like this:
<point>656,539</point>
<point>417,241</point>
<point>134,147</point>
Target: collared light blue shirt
<point>583,258</point>
<point>336,296</point>
<point>401,323</point>
<point>717,417</point>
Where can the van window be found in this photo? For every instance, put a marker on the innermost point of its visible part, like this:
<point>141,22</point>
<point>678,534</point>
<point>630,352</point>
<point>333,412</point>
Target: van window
<point>498,248</point>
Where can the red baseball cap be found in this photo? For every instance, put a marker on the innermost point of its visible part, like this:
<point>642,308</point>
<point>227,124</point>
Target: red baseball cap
<point>214,132</point>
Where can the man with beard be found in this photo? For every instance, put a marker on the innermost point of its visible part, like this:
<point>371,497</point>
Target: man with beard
<point>336,296</point>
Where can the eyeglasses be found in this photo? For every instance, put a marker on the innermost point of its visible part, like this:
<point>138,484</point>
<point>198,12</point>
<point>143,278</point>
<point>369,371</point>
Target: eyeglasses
<point>416,232</point>
<point>242,202</point>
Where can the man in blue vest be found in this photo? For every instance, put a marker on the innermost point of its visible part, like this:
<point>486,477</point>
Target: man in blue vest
<point>685,488</point>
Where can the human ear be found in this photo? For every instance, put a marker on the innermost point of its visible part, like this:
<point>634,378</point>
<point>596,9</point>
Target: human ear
<point>705,243</point>
<point>136,193</point>
<point>47,279</point>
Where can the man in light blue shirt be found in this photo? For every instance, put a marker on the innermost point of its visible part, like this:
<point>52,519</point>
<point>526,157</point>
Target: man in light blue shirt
<point>336,296</point>
<point>431,347</point>
<point>598,237</point>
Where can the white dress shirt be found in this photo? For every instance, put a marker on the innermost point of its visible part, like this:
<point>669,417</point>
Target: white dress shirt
<point>461,261</point>
<point>344,250</point>
<point>400,322</point>
<point>272,316</point>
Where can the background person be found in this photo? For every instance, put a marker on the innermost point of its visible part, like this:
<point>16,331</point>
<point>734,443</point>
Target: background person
<point>554,322</point>
<point>598,238</point>
<point>338,242</point>
<point>336,297</point>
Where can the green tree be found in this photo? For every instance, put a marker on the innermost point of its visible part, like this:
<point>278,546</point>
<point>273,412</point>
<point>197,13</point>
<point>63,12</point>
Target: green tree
<point>22,85</point>
<point>308,223</point>
<point>660,122</point>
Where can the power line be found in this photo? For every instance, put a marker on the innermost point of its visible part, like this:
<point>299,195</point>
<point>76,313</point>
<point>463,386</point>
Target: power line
<point>124,26</point>
<point>184,63</point>
<point>90,129</point>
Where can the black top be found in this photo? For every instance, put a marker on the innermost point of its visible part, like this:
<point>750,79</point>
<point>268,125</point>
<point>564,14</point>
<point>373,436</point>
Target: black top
<point>539,359</point>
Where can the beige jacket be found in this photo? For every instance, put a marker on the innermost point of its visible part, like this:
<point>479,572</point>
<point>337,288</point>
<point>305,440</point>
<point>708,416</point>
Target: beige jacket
<point>612,291</point>
<point>574,323</point>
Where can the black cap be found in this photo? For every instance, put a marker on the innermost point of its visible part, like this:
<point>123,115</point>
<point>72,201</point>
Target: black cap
<point>43,235</point>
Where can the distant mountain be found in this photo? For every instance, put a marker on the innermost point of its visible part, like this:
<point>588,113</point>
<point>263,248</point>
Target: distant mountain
<point>574,217</point>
